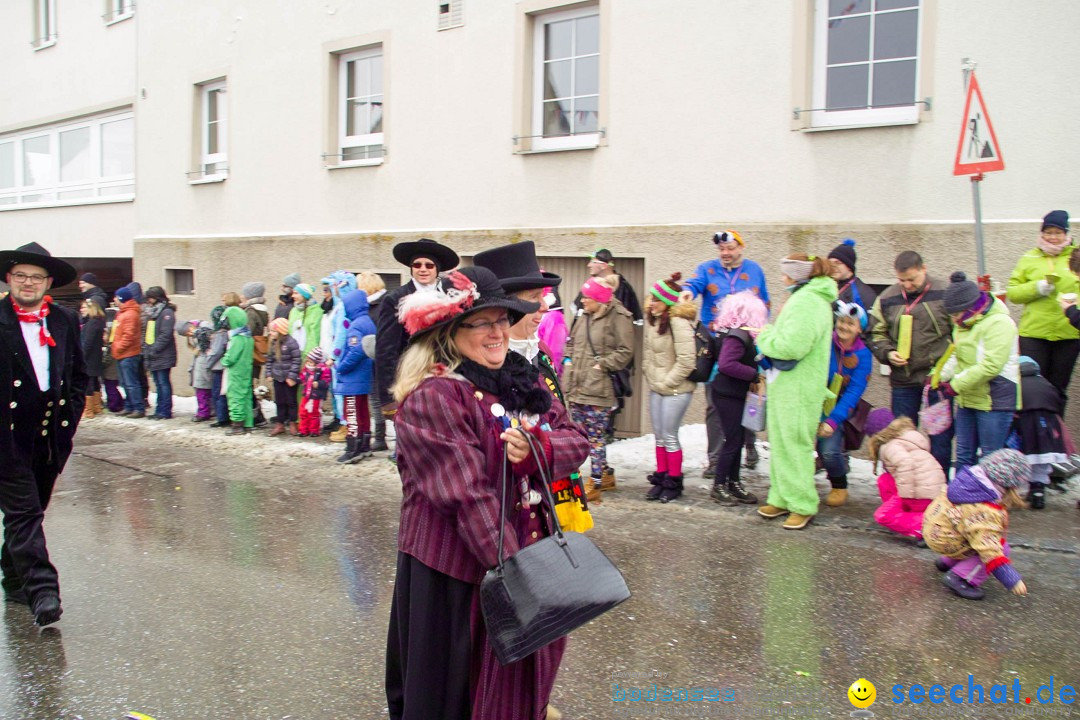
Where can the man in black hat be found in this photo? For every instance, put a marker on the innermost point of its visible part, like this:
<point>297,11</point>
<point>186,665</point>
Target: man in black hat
<point>88,285</point>
<point>42,391</point>
<point>602,265</point>
<point>849,287</point>
<point>426,259</point>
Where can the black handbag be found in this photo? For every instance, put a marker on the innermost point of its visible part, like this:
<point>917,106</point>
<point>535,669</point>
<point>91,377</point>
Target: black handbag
<point>621,382</point>
<point>548,589</point>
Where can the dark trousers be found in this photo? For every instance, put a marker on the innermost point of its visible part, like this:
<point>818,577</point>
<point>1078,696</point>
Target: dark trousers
<point>129,375</point>
<point>112,392</point>
<point>24,495</point>
<point>908,401</point>
<point>429,654</point>
<point>728,412</point>
<point>285,397</point>
<point>144,381</point>
<point>221,402</point>
<point>1056,359</point>
<point>163,387</point>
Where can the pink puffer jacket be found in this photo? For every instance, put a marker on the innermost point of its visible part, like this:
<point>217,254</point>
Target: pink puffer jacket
<point>918,475</point>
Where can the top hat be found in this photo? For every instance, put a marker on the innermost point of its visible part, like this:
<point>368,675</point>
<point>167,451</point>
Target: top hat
<point>33,254</point>
<point>516,267</point>
<point>445,258</point>
<point>457,295</point>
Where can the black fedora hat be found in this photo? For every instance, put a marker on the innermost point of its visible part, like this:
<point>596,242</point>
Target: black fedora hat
<point>33,254</point>
<point>445,258</point>
<point>458,295</point>
<point>516,267</point>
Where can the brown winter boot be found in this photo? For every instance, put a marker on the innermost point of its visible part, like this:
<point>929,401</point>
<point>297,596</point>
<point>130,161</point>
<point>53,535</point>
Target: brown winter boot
<point>592,490</point>
<point>836,497</point>
<point>89,409</point>
<point>339,435</point>
<point>278,429</point>
<point>292,429</point>
<point>607,480</point>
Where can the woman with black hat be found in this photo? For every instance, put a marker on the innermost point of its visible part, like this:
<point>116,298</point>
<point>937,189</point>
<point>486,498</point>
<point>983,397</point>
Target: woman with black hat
<point>426,259</point>
<point>464,400</point>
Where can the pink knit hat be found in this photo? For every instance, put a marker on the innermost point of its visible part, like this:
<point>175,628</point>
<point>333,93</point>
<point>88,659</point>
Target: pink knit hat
<point>596,290</point>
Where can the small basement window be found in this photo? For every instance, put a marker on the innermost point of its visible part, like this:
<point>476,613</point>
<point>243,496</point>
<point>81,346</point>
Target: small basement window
<point>179,281</point>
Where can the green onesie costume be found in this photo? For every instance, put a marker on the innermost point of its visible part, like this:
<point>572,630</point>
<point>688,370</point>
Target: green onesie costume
<point>803,332</point>
<point>238,360</point>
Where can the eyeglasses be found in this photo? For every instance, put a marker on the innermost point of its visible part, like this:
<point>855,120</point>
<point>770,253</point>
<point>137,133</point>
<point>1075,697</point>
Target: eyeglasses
<point>418,265</point>
<point>502,323</point>
<point>23,278</point>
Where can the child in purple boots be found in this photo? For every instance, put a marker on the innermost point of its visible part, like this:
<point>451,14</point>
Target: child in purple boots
<point>966,524</point>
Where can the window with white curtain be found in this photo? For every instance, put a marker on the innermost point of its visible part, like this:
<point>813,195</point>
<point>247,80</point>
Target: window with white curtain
<point>117,10</point>
<point>82,161</point>
<point>214,126</point>
<point>360,107</point>
<point>566,79</point>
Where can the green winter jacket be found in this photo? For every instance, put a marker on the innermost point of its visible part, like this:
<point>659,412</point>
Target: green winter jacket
<point>1042,316</point>
<point>306,325</point>
<point>238,362</point>
<point>795,398</point>
<point>984,370</point>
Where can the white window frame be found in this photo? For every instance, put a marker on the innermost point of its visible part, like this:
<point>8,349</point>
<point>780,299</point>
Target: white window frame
<point>14,198</point>
<point>581,141</point>
<point>207,158</point>
<point>118,11</point>
<point>346,142</point>
<point>44,24</point>
<point>902,115</point>
<point>453,17</point>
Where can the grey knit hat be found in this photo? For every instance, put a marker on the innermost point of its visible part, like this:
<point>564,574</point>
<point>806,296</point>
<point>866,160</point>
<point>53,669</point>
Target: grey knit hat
<point>961,293</point>
<point>254,290</point>
<point>291,280</point>
<point>1006,468</point>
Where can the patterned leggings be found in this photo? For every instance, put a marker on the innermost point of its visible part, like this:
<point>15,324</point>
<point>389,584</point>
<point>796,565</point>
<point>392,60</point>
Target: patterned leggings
<point>594,419</point>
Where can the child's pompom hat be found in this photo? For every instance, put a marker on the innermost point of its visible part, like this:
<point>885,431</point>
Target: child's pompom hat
<point>1006,468</point>
<point>877,420</point>
<point>316,355</point>
<point>280,326</point>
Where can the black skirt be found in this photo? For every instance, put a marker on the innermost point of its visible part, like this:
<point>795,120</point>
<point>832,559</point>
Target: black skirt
<point>1041,436</point>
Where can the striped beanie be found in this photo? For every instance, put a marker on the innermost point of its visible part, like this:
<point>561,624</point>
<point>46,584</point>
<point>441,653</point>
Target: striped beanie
<point>280,326</point>
<point>797,270</point>
<point>305,290</point>
<point>667,291</point>
<point>316,355</point>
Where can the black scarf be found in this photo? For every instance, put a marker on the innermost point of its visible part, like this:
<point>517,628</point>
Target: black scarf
<point>514,384</point>
<point>327,306</point>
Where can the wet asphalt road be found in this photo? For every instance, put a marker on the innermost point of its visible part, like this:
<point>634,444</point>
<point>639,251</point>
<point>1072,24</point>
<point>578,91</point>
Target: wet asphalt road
<point>212,579</point>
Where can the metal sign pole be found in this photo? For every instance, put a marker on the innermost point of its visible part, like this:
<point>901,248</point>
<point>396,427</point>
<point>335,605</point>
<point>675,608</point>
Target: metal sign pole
<point>980,253</point>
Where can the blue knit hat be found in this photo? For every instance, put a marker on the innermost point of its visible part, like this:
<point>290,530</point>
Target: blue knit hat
<point>124,294</point>
<point>1056,218</point>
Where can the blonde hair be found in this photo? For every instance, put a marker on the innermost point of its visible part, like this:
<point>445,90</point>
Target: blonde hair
<point>421,357</point>
<point>93,309</point>
<point>230,299</point>
<point>369,282</point>
<point>893,430</point>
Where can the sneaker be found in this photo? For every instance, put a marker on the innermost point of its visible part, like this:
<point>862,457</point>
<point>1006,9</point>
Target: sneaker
<point>722,496</point>
<point>961,587</point>
<point>796,521</point>
<point>771,511</point>
<point>198,419</point>
<point>942,564</point>
<point>740,493</point>
<point>836,497</point>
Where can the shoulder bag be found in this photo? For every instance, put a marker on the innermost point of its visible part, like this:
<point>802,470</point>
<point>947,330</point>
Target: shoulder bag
<point>548,589</point>
<point>621,382</point>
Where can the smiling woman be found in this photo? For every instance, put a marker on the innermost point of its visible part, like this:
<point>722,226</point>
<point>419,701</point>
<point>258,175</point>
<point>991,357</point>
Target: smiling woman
<point>465,402</point>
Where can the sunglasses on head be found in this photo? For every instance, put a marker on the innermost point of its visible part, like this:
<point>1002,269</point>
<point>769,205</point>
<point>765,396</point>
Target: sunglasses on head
<point>423,265</point>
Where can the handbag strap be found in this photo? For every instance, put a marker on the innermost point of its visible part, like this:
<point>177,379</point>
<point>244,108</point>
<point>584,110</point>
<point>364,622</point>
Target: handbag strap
<point>545,484</point>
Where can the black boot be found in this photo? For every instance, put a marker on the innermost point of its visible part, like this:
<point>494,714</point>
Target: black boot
<point>672,489</point>
<point>655,479</point>
<point>740,493</point>
<point>378,444</point>
<point>349,456</point>
<point>722,496</point>
<point>46,608</point>
<point>334,426</point>
<point>220,423</point>
<point>751,460</point>
<point>363,447</point>
<point>1037,496</point>
<point>237,429</point>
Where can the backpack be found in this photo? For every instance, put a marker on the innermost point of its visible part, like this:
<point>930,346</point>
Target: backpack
<point>706,351</point>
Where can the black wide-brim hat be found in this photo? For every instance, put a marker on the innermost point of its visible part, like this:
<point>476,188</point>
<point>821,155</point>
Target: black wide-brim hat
<point>33,254</point>
<point>459,294</point>
<point>445,258</point>
<point>516,267</point>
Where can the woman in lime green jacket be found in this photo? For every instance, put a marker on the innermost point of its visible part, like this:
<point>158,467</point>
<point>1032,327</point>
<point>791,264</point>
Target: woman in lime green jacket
<point>1041,276</point>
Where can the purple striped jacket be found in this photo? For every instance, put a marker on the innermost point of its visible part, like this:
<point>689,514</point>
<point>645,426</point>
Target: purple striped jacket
<point>449,457</point>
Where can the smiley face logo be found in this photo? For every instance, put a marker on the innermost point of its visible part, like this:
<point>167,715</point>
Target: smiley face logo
<point>862,693</point>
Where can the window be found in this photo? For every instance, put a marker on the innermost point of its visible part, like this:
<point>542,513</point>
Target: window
<point>451,13</point>
<point>117,10</point>
<point>360,99</point>
<point>566,80</point>
<point>44,24</point>
<point>83,161</point>
<point>866,62</point>
<point>179,281</point>
<point>213,130</point>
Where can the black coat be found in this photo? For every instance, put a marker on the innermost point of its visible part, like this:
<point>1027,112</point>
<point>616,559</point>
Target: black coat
<point>92,341</point>
<point>26,413</point>
<point>390,341</point>
<point>161,353</point>
<point>1038,393</point>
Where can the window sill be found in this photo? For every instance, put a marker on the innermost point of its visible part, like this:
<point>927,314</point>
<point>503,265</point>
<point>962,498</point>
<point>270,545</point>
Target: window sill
<point>209,179</point>
<point>356,163</point>
<point>69,203</point>
<point>827,128</point>
<point>119,19</point>
<point>43,44</point>
<point>586,142</point>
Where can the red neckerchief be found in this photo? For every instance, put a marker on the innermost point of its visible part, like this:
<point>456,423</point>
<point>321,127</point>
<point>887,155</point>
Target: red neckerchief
<point>38,317</point>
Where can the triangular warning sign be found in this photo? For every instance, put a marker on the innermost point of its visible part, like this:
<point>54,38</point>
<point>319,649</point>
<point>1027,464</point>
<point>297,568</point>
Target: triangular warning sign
<point>978,151</point>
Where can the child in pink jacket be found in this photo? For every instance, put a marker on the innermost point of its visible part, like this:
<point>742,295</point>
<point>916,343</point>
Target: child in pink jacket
<point>912,476</point>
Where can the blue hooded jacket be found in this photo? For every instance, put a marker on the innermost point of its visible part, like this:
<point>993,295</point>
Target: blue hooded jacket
<point>354,367</point>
